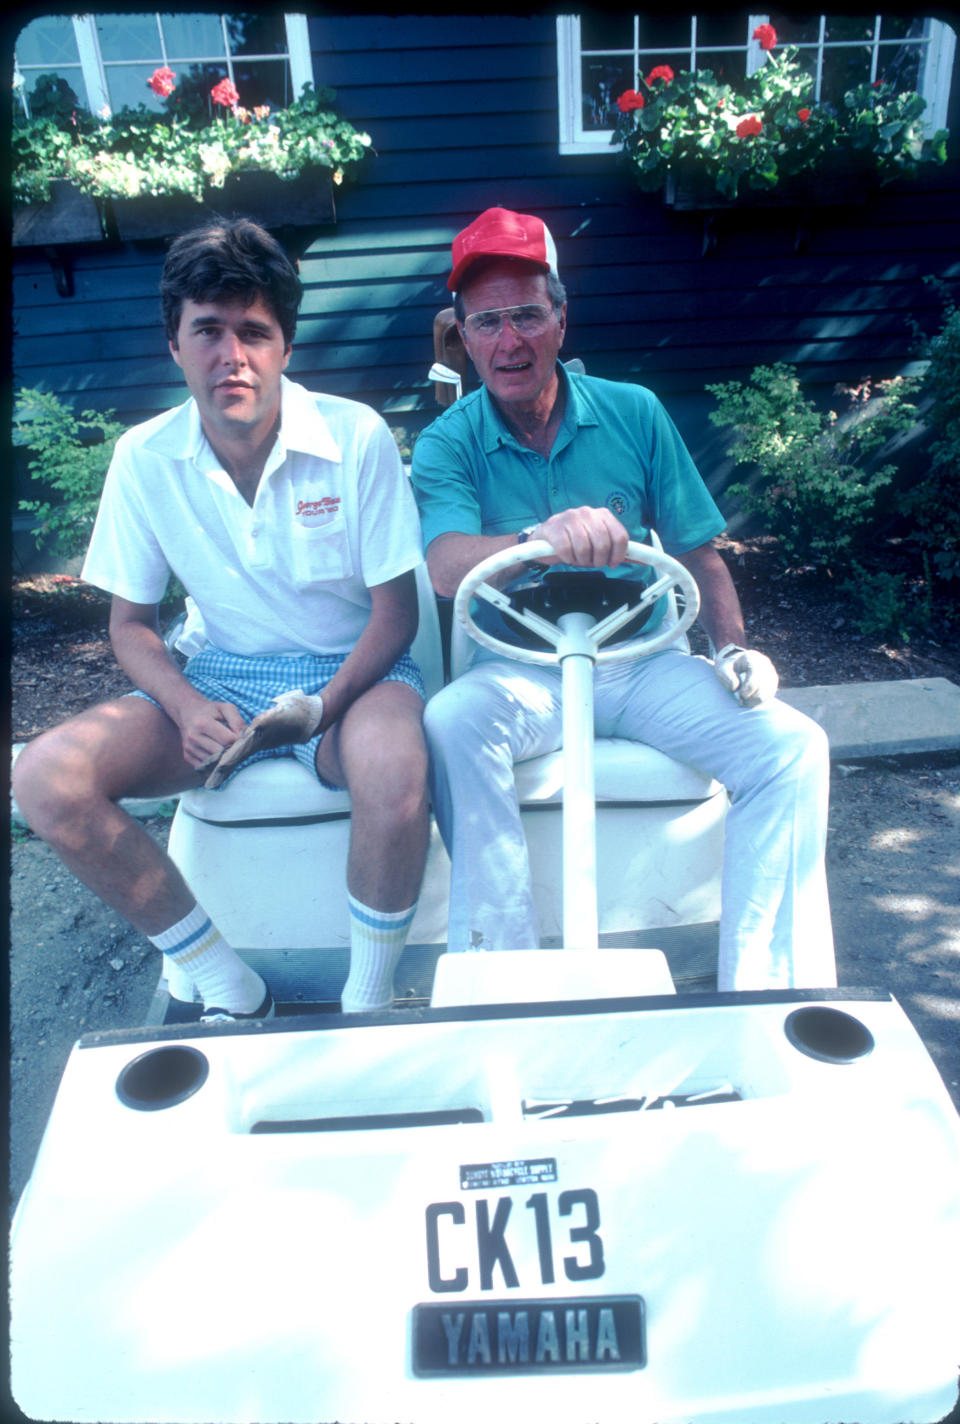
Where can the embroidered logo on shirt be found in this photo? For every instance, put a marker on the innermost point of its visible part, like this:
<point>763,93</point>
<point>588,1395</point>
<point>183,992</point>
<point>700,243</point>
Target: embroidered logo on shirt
<point>618,503</point>
<point>310,513</point>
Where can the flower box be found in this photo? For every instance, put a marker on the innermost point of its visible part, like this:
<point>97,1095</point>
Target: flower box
<point>830,186</point>
<point>275,202</point>
<point>304,201</point>
<point>69,216</point>
<point>152,216</point>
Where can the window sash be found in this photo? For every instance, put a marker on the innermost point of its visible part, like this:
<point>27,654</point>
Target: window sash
<point>937,47</point>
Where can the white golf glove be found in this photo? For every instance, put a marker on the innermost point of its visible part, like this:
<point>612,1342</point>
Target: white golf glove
<point>750,676</point>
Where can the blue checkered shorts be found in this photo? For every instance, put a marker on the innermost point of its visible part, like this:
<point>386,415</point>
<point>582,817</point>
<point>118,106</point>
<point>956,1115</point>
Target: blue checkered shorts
<point>251,684</point>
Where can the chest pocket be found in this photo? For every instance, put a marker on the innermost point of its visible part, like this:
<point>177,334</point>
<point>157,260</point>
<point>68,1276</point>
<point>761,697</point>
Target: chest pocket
<point>321,552</point>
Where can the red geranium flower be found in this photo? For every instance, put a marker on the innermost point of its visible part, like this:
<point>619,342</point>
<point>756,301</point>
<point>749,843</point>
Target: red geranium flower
<point>630,99</point>
<point>660,71</point>
<point>749,128</point>
<point>803,115</point>
<point>162,82</point>
<point>225,94</point>
<point>766,36</point>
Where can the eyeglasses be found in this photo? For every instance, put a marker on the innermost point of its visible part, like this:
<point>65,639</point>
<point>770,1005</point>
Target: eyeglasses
<point>530,320</point>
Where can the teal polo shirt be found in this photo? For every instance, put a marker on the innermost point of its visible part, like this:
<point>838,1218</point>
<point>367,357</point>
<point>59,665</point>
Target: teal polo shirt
<point>616,447</point>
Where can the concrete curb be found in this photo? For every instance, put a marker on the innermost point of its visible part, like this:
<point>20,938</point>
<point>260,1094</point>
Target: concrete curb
<point>906,717</point>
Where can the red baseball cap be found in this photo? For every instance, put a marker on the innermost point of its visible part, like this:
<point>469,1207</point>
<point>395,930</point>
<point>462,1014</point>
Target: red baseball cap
<point>501,233</point>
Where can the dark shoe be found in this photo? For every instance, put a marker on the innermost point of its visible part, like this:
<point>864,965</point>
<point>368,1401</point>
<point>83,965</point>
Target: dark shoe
<point>267,1010</point>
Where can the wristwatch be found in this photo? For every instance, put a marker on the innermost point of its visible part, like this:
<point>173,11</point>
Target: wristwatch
<point>534,566</point>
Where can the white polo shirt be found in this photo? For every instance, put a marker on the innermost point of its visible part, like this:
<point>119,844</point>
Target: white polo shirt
<point>333,517</point>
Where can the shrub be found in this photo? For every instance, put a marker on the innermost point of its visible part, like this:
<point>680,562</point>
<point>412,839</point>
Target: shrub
<point>71,454</point>
<point>885,604</point>
<point>816,475</point>
<point>933,505</point>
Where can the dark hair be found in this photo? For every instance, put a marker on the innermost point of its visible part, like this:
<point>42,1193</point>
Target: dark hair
<point>556,291</point>
<point>229,260</point>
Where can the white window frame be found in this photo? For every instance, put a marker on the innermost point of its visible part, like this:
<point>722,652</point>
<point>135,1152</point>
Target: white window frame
<point>938,41</point>
<point>94,75</point>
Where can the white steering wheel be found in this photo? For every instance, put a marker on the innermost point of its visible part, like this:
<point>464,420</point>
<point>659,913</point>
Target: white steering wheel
<point>672,575</point>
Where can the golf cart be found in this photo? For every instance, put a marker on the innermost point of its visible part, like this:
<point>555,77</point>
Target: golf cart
<point>601,1200</point>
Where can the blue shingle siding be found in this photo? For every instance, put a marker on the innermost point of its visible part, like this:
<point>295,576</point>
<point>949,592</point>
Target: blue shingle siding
<point>463,114</point>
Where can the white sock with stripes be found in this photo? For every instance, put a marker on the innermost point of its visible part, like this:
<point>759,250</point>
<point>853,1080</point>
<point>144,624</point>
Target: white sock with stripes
<point>196,946</point>
<point>377,938</point>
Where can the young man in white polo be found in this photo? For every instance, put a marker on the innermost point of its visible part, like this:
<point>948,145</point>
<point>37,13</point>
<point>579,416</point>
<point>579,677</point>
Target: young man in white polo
<point>287,517</point>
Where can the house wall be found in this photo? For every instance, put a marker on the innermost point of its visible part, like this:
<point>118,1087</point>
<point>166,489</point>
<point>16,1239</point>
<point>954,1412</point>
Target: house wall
<point>463,115</point>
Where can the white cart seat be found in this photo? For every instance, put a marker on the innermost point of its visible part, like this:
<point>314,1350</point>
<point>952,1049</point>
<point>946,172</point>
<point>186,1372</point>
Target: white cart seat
<point>659,848</point>
<point>626,772</point>
<point>281,790</point>
<point>659,841</point>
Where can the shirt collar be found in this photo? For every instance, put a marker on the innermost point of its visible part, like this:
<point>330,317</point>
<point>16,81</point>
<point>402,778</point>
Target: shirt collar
<point>302,427</point>
<point>577,412</point>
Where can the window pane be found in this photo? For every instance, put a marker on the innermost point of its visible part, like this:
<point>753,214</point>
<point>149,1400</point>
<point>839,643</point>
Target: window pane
<point>261,33</point>
<point>849,28</point>
<point>664,34</point>
<point>898,27</point>
<point>265,81</point>
<point>192,94</point>
<point>48,41</point>
<point>729,67</point>
<point>807,60</point>
<point>674,60</point>
<point>192,36</point>
<point>843,69</point>
<point>127,37</point>
<point>793,31</point>
<point>603,80</point>
<point>127,84</point>
<point>54,99</point>
<point>900,66</point>
<point>606,32</point>
<point>722,30</point>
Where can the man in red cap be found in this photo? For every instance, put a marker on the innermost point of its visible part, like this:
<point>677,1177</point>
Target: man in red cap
<point>587,464</point>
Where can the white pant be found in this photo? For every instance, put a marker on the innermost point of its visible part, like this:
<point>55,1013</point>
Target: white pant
<point>775,927</point>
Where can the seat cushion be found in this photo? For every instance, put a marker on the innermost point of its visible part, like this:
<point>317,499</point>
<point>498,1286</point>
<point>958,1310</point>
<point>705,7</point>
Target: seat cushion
<point>280,789</point>
<point>625,771</point>
<point>272,790</point>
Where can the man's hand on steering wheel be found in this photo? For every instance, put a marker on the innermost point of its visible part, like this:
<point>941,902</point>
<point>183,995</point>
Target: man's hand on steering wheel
<point>584,537</point>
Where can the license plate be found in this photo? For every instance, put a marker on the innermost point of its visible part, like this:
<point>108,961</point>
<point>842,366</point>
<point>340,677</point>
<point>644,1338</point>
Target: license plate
<point>515,1336</point>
